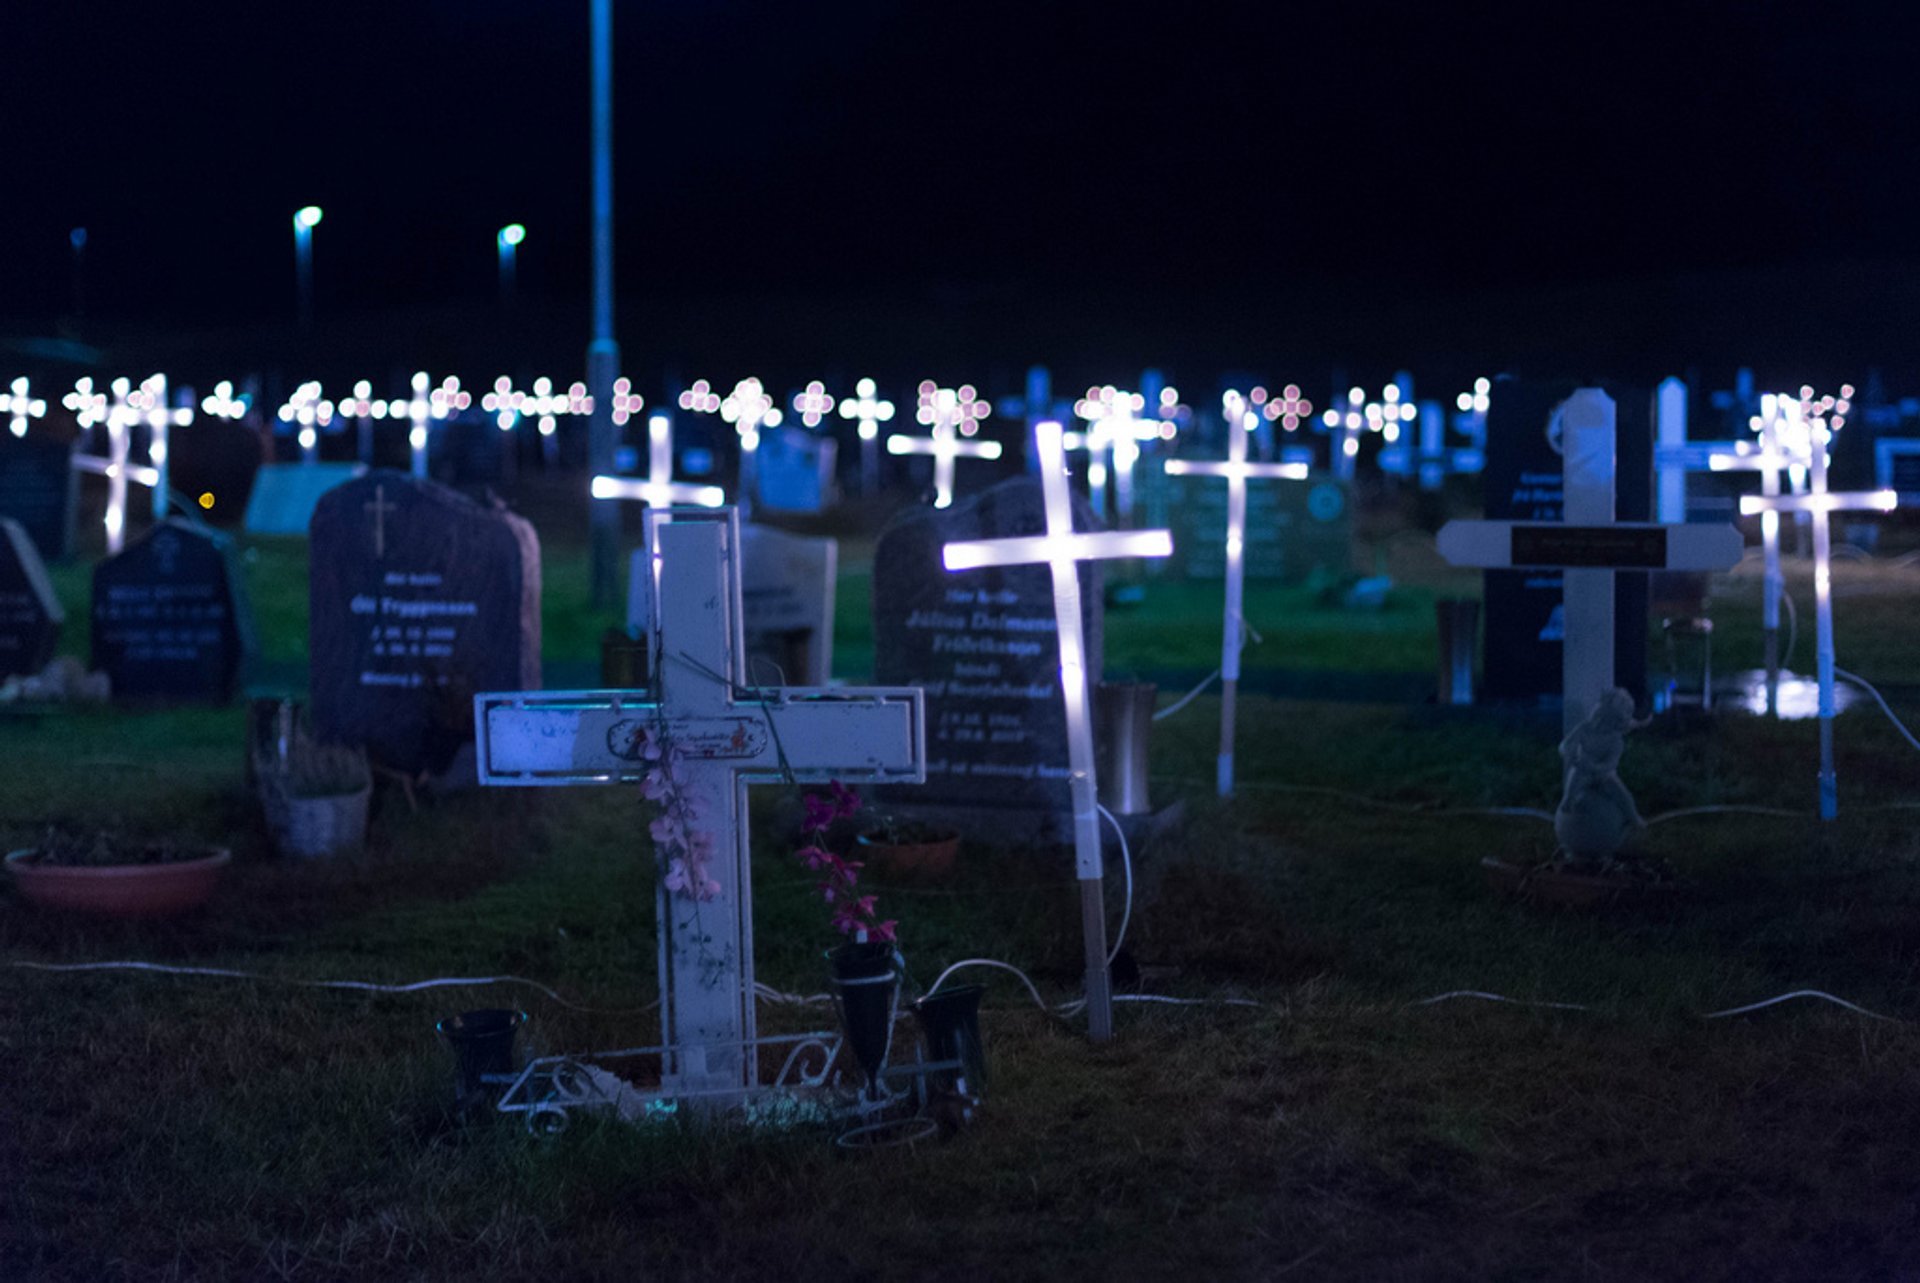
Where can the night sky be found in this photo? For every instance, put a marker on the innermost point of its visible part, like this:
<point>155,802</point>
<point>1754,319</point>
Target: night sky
<point>1258,153</point>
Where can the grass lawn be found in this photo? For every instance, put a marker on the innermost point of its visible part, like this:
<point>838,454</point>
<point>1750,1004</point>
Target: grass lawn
<point>174,1127</point>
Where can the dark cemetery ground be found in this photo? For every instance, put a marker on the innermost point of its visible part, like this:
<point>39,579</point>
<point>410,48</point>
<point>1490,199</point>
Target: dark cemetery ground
<point>159,1127</point>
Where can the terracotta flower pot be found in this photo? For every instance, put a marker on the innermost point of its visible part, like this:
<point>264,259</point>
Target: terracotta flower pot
<point>930,860</point>
<point>119,890</point>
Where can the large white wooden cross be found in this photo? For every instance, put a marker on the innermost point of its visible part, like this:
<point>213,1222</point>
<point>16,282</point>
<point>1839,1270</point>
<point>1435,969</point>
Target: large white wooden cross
<point>1061,550</point>
<point>1820,503</point>
<point>1236,470</point>
<point>658,489</point>
<point>1588,546</point>
<point>718,735</point>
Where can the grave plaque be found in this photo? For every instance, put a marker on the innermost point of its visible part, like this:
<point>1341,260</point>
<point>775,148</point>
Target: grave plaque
<point>420,598</point>
<point>983,647</point>
<point>1523,481</point>
<point>30,615</point>
<point>40,490</point>
<point>794,472</point>
<point>170,618</point>
<point>1293,530</point>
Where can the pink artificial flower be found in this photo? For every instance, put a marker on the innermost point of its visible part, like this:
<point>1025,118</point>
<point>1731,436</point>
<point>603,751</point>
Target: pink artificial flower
<point>819,812</point>
<point>655,786</point>
<point>663,830</point>
<point>710,889</point>
<point>812,856</point>
<point>846,801</point>
<point>884,930</point>
<point>676,875</point>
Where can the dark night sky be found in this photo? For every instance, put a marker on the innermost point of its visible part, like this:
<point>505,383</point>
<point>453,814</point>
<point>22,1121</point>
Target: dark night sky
<point>846,149</point>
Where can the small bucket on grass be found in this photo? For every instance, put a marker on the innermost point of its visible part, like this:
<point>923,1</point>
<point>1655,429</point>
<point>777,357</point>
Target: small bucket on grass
<point>482,1043</point>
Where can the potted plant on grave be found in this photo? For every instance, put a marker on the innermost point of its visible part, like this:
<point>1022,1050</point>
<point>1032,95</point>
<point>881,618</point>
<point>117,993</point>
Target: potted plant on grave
<point>113,876</point>
<point>315,796</point>
<point>909,849</point>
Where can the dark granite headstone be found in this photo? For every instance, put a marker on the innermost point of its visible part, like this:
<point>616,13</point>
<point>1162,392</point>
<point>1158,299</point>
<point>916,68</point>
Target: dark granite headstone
<point>1294,528</point>
<point>982,644</point>
<point>471,450</point>
<point>40,490</point>
<point>170,617</point>
<point>1523,482</point>
<point>30,615</point>
<point>420,598</point>
<point>218,458</point>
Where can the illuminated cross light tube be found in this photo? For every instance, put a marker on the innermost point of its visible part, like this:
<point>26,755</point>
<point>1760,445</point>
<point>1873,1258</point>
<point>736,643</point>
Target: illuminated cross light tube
<point>418,411</point>
<point>869,412</point>
<point>813,404</point>
<point>658,489</point>
<point>1769,460</point>
<point>363,408</point>
<point>19,407</point>
<point>92,408</point>
<point>1236,470</point>
<point>1061,550</point>
<point>748,408</point>
<point>160,419</point>
<point>1820,503</point>
<point>944,444</point>
<point>306,411</point>
<point>221,403</point>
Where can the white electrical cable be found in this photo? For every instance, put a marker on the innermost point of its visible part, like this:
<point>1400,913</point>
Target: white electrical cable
<point>1484,996</point>
<point>1801,993</point>
<point>1868,686</point>
<point>990,962</point>
<point>362,986</point>
<point>1187,698</point>
<point>1126,863</point>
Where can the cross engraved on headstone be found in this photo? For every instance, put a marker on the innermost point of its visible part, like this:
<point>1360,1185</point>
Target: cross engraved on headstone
<point>1061,550</point>
<point>721,735</point>
<point>1589,546</point>
<point>1236,470</point>
<point>379,508</point>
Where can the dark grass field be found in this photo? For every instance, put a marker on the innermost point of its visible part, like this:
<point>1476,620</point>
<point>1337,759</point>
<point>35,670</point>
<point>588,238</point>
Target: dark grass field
<point>159,1127</point>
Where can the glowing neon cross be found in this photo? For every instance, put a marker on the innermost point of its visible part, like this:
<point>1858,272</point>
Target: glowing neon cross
<point>89,407</point>
<point>813,404</point>
<point>161,419</point>
<point>221,403</point>
<point>449,398</point>
<point>21,407</point>
<point>1094,408</point>
<point>1061,550</point>
<point>504,403</point>
<point>1820,503</point>
<point>118,418</point>
<point>941,411</point>
<point>1769,460</point>
<point>658,489</point>
<point>626,402</point>
<point>1289,409</point>
<point>1236,470</point>
<point>307,412</point>
<point>1347,422</point>
<point>700,399</point>
<point>363,408</point>
<point>418,410</point>
<point>748,408</point>
<point>870,413</point>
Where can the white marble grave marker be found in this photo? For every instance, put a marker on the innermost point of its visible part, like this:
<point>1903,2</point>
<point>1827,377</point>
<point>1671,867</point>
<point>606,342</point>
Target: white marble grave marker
<point>1236,470</point>
<point>720,735</point>
<point>1820,503</point>
<point>1588,546</point>
<point>1061,550</point>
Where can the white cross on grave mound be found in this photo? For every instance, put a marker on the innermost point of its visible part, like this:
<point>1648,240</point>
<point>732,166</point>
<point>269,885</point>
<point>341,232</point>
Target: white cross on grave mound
<point>943,413</point>
<point>720,735</point>
<point>1061,550</point>
<point>1821,503</point>
<point>1589,545</point>
<point>658,489</point>
<point>1236,470</point>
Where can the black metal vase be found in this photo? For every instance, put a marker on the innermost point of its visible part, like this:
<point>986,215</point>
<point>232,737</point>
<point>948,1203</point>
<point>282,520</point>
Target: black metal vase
<point>866,983</point>
<point>949,1021</point>
<point>482,1043</point>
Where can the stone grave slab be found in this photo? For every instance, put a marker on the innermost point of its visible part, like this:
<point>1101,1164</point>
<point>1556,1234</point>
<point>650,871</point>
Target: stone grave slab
<point>285,494</point>
<point>170,617</point>
<point>40,490</point>
<point>30,614</point>
<point>422,598</point>
<point>794,471</point>
<point>985,651</point>
<point>1291,531</point>
<point>1525,623</point>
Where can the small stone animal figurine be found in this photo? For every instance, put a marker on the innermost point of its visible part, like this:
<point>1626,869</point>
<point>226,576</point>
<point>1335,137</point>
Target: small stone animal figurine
<point>1596,813</point>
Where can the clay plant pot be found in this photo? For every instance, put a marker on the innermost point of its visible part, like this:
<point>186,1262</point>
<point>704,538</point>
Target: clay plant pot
<point>915,854</point>
<point>1556,888</point>
<point>119,890</point>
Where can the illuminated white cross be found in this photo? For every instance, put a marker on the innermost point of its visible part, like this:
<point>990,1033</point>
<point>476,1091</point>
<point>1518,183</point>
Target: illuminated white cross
<point>307,411</point>
<point>700,399</point>
<point>1168,409</point>
<point>1124,432</point>
<point>449,398</point>
<point>941,411</point>
<point>1061,550</point>
<point>544,407</point>
<point>221,403</point>
<point>1095,441</point>
<point>89,407</point>
<point>115,467</point>
<point>1820,503</point>
<point>1347,422</point>
<point>419,412</point>
<point>1769,460</point>
<point>658,488</point>
<point>21,407</point>
<point>625,403</point>
<point>748,408</point>
<point>1289,409</point>
<point>363,408</point>
<point>813,404</point>
<point>1236,470</point>
<point>161,419</point>
<point>870,413</point>
<point>504,403</point>
<point>701,723</point>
